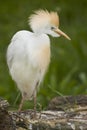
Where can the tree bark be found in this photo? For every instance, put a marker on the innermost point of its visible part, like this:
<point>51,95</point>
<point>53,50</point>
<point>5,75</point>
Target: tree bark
<point>63,113</point>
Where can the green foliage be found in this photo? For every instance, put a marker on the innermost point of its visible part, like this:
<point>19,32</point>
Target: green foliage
<point>67,73</point>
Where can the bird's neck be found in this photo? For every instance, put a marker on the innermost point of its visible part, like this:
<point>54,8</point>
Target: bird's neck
<point>39,32</point>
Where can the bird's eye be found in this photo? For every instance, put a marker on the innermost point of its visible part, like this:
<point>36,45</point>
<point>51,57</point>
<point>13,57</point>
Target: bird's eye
<point>52,28</point>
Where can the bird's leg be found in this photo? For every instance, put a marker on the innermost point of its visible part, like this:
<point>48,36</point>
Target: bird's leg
<point>35,98</point>
<point>35,102</point>
<point>21,104</point>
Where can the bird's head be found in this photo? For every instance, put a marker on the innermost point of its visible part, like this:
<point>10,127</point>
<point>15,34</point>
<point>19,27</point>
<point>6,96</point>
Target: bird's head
<point>46,22</point>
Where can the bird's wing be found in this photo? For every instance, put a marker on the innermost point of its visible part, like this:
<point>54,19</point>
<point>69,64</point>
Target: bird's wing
<point>17,46</point>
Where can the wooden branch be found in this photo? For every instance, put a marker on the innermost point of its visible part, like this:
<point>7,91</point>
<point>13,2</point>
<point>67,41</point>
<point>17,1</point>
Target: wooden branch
<point>64,113</point>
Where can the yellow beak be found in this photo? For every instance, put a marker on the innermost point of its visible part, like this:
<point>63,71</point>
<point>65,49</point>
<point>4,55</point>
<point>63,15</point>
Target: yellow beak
<point>62,33</point>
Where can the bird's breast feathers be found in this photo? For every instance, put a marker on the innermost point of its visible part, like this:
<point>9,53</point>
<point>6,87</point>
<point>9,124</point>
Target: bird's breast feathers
<point>40,56</point>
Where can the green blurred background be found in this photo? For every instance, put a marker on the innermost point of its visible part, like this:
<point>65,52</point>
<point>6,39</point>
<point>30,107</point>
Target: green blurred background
<point>67,72</point>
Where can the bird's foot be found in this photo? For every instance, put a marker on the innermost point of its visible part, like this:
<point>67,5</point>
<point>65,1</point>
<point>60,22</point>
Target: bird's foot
<point>34,115</point>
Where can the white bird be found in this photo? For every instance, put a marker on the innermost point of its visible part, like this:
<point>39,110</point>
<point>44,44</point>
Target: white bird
<point>28,54</point>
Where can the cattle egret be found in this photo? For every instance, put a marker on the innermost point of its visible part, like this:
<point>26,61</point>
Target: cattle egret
<point>28,54</point>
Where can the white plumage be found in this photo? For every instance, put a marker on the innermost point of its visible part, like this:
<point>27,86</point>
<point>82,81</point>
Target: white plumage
<point>26,63</point>
<point>28,54</point>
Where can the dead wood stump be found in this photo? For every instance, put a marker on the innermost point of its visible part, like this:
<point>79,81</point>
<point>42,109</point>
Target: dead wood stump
<point>63,113</point>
